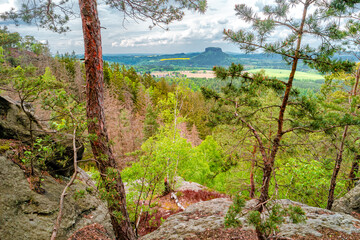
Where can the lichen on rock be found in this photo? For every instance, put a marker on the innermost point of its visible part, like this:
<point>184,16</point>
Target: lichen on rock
<point>25,214</point>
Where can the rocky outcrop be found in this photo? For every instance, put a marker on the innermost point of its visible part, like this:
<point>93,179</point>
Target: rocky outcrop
<point>182,185</point>
<point>213,49</point>
<point>318,219</point>
<point>349,203</point>
<point>25,214</point>
<point>208,216</point>
<point>91,232</point>
<point>14,124</point>
<point>199,217</point>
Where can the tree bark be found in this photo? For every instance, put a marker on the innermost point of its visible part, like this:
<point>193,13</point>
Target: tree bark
<point>96,120</point>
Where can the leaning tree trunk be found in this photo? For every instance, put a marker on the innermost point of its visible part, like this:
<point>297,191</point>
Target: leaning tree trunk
<point>114,187</point>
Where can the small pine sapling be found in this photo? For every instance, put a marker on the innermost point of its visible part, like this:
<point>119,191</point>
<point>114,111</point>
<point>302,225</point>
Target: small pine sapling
<point>267,225</point>
<point>230,219</point>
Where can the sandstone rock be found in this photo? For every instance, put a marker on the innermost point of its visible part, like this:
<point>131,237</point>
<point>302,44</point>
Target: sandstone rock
<point>348,203</point>
<point>209,215</point>
<point>14,124</point>
<point>318,218</point>
<point>91,232</point>
<point>182,185</point>
<point>198,217</point>
<point>26,215</point>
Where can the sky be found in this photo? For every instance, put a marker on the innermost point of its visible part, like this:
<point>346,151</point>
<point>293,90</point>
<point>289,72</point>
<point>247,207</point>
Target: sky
<point>193,34</point>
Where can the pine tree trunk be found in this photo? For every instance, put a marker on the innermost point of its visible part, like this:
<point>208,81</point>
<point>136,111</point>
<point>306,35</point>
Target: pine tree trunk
<point>96,119</point>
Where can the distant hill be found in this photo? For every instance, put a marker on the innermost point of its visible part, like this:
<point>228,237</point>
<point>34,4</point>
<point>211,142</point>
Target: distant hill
<point>211,57</point>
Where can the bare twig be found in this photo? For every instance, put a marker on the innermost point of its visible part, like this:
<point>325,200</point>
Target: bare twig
<point>58,220</point>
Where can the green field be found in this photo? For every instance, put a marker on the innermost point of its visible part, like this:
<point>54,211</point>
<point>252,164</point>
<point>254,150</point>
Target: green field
<point>281,74</point>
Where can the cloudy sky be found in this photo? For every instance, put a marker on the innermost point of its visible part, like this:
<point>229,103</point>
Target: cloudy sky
<point>193,34</point>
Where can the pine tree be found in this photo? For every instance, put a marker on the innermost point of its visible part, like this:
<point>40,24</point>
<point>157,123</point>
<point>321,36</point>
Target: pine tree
<point>54,15</point>
<point>315,21</point>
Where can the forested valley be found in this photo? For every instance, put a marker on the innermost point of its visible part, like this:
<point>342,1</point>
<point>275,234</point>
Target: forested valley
<point>243,135</point>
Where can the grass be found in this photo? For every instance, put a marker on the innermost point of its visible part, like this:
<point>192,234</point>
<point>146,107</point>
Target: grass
<point>281,73</point>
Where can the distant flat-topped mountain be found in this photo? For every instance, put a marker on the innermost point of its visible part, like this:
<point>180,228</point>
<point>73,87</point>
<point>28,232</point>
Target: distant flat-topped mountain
<point>211,57</point>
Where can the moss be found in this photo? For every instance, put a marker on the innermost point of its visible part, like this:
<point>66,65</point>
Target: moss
<point>5,146</point>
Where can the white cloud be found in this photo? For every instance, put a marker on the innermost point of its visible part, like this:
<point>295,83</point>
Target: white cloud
<point>6,5</point>
<point>194,33</point>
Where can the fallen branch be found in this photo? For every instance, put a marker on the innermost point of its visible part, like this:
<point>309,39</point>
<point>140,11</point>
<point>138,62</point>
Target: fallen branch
<point>58,220</point>
<point>173,196</point>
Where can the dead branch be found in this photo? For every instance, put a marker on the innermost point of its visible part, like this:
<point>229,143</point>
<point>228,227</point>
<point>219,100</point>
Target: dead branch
<point>58,220</point>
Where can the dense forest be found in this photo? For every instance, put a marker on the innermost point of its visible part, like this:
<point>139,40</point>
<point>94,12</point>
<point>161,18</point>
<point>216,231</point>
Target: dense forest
<point>240,134</point>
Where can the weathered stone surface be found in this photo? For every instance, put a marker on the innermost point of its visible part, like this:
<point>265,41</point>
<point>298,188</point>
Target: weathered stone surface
<point>26,215</point>
<point>318,218</point>
<point>14,124</point>
<point>91,232</point>
<point>182,185</point>
<point>349,203</point>
<point>208,215</point>
<point>198,217</point>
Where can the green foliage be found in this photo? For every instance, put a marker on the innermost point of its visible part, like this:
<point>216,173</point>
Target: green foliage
<point>8,39</point>
<point>79,194</point>
<point>1,55</point>
<point>150,123</point>
<point>298,177</point>
<point>342,5</point>
<point>41,152</point>
<point>296,214</point>
<point>269,225</point>
<point>234,210</point>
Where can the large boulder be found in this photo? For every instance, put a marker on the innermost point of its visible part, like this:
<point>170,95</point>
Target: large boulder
<point>14,124</point>
<point>200,219</point>
<point>25,214</point>
<point>349,203</point>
